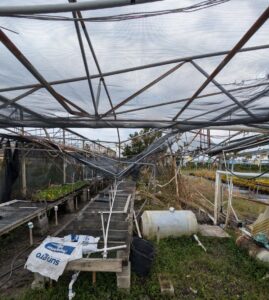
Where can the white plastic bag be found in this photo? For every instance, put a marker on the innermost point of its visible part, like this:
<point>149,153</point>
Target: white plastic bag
<point>52,256</point>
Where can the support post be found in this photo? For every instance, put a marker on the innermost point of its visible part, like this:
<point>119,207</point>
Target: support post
<point>70,205</point>
<point>64,161</point>
<point>124,277</point>
<point>23,175</point>
<point>76,202</point>
<point>208,138</point>
<point>84,196</point>
<point>154,179</point>
<point>56,214</point>
<point>176,178</point>
<point>31,226</point>
<point>39,281</point>
<point>94,278</point>
<point>83,166</point>
<point>41,224</point>
<point>23,171</point>
<point>217,197</point>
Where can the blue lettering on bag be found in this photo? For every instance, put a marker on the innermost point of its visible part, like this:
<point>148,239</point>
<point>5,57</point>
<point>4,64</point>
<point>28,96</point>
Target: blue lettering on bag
<point>48,258</point>
<point>59,248</point>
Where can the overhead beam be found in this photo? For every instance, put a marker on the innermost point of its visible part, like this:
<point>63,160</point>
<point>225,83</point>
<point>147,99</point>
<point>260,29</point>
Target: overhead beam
<point>65,103</point>
<point>84,58</point>
<point>186,99</point>
<point>19,97</point>
<point>137,68</point>
<point>144,88</point>
<point>41,121</point>
<point>66,7</point>
<point>87,36</point>
<point>22,108</point>
<point>228,112</point>
<point>253,29</point>
<point>90,123</point>
<point>246,102</point>
<point>102,79</point>
<point>220,87</point>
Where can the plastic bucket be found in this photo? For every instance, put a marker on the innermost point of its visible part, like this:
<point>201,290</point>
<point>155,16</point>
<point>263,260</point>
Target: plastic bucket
<point>142,256</point>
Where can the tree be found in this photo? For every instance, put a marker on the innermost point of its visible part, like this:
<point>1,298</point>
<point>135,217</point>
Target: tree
<point>140,141</point>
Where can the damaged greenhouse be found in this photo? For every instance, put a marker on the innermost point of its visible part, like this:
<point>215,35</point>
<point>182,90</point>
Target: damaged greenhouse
<point>134,158</point>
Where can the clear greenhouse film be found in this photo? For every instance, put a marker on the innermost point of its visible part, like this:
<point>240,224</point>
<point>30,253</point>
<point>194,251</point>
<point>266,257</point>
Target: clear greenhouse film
<point>135,66</point>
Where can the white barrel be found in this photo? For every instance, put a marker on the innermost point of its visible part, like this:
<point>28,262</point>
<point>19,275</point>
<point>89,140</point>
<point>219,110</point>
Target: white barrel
<point>168,223</point>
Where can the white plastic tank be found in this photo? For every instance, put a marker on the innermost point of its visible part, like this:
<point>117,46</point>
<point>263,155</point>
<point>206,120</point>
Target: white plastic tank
<point>168,223</point>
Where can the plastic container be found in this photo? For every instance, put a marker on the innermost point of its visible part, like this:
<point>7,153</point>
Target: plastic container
<point>168,223</point>
<point>142,256</point>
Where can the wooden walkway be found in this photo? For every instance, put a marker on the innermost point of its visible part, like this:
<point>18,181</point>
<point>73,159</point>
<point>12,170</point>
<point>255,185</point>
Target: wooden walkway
<point>89,222</point>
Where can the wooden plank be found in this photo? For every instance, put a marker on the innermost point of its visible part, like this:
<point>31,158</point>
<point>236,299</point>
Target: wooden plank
<point>95,265</point>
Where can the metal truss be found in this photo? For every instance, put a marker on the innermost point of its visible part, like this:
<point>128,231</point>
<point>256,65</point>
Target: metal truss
<point>77,117</point>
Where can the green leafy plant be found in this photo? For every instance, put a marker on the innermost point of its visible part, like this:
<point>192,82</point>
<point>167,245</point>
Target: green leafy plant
<point>55,192</point>
<point>140,141</point>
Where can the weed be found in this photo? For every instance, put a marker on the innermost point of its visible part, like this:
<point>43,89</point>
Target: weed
<point>223,272</point>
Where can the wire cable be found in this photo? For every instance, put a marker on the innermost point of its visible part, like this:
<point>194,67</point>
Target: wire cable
<point>129,16</point>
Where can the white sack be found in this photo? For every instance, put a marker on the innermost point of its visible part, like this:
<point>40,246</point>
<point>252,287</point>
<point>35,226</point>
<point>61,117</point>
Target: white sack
<point>52,256</point>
